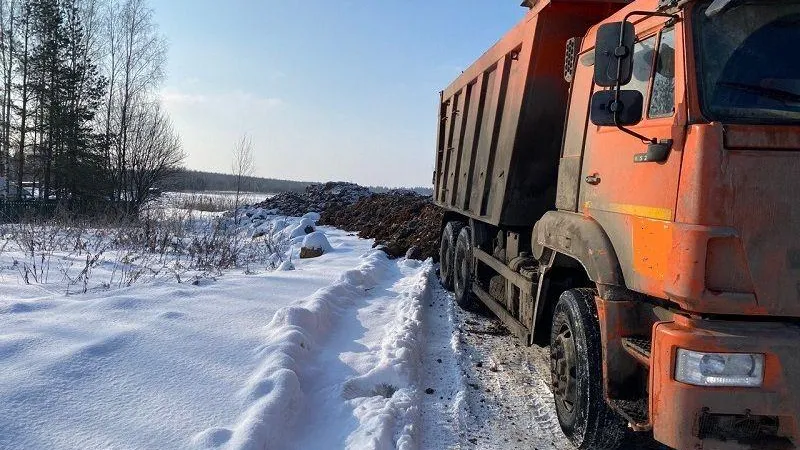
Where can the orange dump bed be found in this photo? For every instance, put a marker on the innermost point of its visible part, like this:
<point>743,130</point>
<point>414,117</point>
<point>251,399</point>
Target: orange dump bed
<point>501,121</point>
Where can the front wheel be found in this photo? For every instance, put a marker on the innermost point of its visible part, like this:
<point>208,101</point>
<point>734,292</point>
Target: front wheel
<point>577,375</point>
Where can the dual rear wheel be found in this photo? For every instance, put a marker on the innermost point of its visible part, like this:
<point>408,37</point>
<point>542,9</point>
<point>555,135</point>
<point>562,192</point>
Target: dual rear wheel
<point>455,262</point>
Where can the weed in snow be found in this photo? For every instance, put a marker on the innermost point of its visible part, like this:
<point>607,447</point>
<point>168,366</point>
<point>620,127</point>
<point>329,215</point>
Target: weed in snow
<point>160,244</point>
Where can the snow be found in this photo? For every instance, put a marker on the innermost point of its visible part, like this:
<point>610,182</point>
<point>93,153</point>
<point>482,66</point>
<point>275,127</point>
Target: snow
<point>286,265</point>
<point>149,366</point>
<point>301,227</point>
<point>317,240</point>
<point>229,361</point>
<point>347,350</point>
<point>370,361</point>
<point>314,216</point>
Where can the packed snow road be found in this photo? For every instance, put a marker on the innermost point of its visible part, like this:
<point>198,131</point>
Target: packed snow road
<point>486,390</point>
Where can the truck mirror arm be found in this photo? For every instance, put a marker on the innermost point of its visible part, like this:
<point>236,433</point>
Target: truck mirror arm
<point>641,137</point>
<point>621,51</point>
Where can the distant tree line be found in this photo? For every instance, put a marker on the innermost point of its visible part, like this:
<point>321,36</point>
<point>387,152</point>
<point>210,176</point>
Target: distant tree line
<point>197,181</point>
<point>80,115</point>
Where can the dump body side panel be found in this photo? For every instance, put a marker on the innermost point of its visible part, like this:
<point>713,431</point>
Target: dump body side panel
<point>501,121</point>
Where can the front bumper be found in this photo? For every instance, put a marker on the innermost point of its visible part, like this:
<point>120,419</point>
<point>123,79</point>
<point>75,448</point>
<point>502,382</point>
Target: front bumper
<point>697,417</point>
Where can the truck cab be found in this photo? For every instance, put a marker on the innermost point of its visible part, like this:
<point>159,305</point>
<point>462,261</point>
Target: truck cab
<point>658,254</point>
<point>696,193</point>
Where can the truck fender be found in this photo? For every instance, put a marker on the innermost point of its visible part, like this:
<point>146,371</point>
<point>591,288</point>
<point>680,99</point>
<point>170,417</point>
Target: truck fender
<point>581,238</point>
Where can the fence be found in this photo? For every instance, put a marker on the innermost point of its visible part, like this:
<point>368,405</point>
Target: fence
<point>17,210</point>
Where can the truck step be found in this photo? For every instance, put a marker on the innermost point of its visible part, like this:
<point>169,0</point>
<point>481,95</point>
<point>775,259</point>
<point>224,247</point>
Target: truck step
<point>635,412</point>
<point>638,347</point>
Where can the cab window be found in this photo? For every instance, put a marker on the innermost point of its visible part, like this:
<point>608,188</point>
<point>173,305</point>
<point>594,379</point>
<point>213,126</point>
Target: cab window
<point>662,102</point>
<point>643,54</point>
<point>654,73</point>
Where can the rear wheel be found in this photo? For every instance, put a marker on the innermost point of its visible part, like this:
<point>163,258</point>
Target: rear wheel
<point>447,247</point>
<point>462,279</point>
<point>575,363</point>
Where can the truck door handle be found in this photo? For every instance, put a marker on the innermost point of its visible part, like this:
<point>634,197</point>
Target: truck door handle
<point>594,180</point>
<point>656,152</point>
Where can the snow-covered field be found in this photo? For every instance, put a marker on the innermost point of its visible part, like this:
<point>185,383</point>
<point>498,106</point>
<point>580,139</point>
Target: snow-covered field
<point>212,200</point>
<point>346,350</point>
<point>240,360</point>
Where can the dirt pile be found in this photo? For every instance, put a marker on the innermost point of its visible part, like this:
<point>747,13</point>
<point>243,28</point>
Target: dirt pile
<point>316,198</point>
<point>399,220</point>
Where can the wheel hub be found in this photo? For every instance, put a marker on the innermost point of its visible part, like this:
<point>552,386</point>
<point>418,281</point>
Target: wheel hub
<point>460,272</point>
<point>563,366</point>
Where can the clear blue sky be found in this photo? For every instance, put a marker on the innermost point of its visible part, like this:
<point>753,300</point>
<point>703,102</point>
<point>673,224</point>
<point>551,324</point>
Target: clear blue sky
<point>328,90</point>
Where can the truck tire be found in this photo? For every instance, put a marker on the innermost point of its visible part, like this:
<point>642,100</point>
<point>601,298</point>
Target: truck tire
<point>577,375</point>
<point>447,251</point>
<point>462,270</point>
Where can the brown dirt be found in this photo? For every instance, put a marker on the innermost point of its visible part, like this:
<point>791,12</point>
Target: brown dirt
<point>316,198</point>
<point>398,221</point>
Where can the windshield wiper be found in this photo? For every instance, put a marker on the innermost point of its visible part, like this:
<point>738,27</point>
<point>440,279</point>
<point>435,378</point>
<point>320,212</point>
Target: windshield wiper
<point>722,6</point>
<point>718,6</point>
<point>775,94</point>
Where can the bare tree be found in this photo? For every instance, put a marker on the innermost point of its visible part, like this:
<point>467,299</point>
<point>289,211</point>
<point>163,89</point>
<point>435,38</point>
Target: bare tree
<point>154,152</point>
<point>138,54</point>
<point>7,36</point>
<point>24,67</point>
<point>242,167</point>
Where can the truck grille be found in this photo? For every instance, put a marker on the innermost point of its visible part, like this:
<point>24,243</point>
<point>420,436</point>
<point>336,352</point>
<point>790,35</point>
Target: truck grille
<point>736,427</point>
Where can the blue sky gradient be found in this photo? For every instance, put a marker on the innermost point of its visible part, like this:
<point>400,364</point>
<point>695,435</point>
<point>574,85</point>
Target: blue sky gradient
<point>328,90</point>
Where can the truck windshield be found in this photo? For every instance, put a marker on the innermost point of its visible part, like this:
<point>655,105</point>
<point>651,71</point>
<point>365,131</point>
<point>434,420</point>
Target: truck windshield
<point>747,64</point>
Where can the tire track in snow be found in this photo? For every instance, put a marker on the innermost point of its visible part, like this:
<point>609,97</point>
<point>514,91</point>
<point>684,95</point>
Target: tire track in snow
<point>443,410</point>
<point>491,396</point>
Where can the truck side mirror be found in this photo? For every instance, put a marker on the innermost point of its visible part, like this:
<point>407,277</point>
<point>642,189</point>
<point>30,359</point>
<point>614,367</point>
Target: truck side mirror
<point>613,54</point>
<point>608,110</point>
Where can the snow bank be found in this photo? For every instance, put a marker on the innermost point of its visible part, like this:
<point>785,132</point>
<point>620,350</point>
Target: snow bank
<point>273,395</point>
<point>286,266</point>
<point>391,421</point>
<point>340,368</point>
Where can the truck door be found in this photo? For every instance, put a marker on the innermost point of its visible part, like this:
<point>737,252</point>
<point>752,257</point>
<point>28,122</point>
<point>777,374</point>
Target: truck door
<point>624,195</point>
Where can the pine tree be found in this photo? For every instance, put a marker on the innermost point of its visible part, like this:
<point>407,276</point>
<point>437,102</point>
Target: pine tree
<point>83,90</point>
<point>46,61</point>
<point>23,74</point>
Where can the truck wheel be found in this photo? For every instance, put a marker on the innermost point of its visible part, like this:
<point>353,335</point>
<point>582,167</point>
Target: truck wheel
<point>462,268</point>
<point>447,250</point>
<point>575,364</point>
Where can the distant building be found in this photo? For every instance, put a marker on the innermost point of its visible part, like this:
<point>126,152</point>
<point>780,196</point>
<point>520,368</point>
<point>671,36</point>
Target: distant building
<point>8,189</point>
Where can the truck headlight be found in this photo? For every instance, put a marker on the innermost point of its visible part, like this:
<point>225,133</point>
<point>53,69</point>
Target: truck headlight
<point>719,369</point>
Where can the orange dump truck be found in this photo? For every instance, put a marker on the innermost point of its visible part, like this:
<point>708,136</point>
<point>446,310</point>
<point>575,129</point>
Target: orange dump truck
<point>621,182</point>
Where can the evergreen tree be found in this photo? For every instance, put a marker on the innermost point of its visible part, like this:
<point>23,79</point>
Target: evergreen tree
<point>79,109</point>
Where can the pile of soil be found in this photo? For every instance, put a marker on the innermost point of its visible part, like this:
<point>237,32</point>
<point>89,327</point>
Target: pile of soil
<point>316,198</point>
<point>404,222</point>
